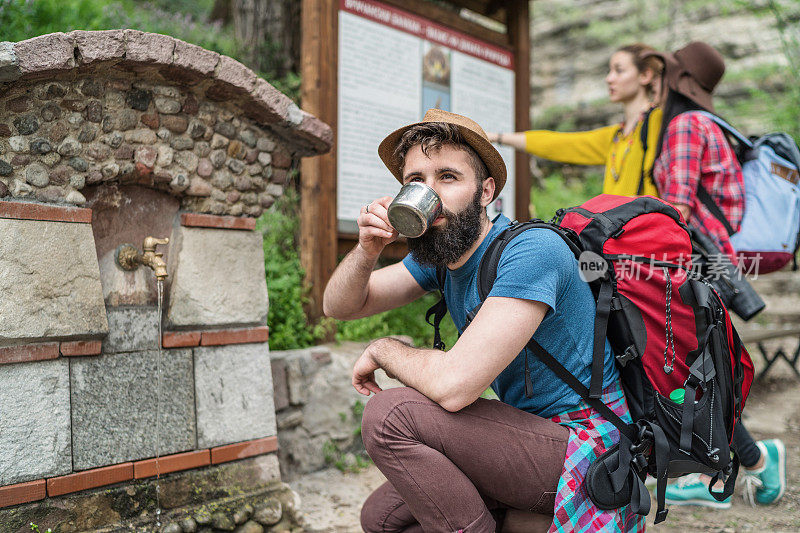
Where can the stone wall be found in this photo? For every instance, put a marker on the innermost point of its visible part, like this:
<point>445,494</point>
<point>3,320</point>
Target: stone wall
<point>318,412</point>
<point>126,107</point>
<point>572,42</point>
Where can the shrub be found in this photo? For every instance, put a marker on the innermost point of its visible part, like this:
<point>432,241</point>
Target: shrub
<point>289,327</point>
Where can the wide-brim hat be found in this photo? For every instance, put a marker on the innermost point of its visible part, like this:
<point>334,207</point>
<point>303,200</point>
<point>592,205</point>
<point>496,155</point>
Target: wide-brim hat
<point>693,71</point>
<point>472,133</point>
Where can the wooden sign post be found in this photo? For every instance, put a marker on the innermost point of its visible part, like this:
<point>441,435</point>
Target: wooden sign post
<point>371,66</point>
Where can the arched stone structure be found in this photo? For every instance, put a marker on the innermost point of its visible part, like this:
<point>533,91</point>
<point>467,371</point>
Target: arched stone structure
<point>105,138</point>
<point>128,107</point>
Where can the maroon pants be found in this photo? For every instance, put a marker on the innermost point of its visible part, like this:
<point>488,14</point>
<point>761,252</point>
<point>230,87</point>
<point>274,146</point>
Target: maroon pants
<point>448,471</point>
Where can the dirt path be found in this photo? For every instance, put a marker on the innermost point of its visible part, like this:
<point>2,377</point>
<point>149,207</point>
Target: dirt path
<point>332,500</point>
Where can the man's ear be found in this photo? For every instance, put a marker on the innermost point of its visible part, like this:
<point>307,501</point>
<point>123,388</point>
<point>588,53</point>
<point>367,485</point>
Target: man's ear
<point>488,191</point>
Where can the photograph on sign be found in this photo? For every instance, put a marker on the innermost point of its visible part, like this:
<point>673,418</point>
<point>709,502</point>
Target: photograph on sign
<point>395,65</point>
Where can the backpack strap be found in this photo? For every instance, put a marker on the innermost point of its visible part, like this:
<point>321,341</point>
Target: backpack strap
<point>643,137</point>
<point>487,273</point>
<point>438,310</point>
<point>705,197</point>
<point>574,383</point>
<point>728,129</point>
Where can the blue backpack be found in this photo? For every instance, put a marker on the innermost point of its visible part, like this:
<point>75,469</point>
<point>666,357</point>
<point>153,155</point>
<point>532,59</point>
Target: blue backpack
<point>768,236</point>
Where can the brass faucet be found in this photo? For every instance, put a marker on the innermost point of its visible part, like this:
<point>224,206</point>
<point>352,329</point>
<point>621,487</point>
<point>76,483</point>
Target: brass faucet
<point>129,258</point>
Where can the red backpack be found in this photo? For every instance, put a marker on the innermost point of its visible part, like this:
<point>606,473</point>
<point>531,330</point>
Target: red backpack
<point>671,336</point>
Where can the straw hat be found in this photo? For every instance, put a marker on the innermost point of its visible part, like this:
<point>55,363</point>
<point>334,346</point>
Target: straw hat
<point>470,131</point>
<point>693,71</point>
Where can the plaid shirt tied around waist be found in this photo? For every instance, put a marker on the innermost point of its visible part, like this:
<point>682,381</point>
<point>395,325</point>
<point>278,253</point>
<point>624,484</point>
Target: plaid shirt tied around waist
<point>589,436</point>
<point>695,151</point>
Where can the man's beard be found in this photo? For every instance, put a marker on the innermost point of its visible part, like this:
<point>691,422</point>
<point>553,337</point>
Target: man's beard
<point>441,246</point>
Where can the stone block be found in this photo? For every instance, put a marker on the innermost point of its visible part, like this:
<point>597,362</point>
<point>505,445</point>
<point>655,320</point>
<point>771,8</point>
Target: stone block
<point>50,283</point>
<point>217,278</point>
<point>236,74</point>
<point>280,387</point>
<point>9,65</point>
<point>195,58</point>
<point>144,47</point>
<point>114,406</point>
<point>131,329</point>
<point>269,105</point>
<point>233,388</point>
<point>318,133</point>
<point>44,54</point>
<point>96,46</point>
<point>35,417</point>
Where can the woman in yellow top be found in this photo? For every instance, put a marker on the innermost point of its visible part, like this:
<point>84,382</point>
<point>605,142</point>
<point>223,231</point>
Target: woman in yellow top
<point>632,82</point>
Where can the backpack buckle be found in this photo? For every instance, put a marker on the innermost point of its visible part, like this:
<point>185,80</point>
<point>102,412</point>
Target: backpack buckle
<point>629,354</point>
<point>639,462</point>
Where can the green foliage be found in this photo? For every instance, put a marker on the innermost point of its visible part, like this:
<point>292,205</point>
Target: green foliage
<point>23,19</point>
<point>558,193</point>
<point>36,529</point>
<point>288,323</point>
<point>184,19</point>
<point>353,462</point>
<point>778,106</point>
<point>357,409</point>
<point>406,320</point>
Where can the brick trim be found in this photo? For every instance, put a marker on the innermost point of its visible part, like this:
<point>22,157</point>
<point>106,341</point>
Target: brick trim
<point>171,463</point>
<point>31,491</point>
<point>242,450</point>
<point>199,220</point>
<point>50,213</point>
<point>180,339</point>
<point>76,348</point>
<point>234,336</point>
<point>89,479</point>
<point>29,352</point>
<point>109,475</point>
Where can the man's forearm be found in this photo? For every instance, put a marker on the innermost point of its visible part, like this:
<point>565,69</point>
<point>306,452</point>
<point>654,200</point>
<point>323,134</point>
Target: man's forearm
<point>425,370</point>
<point>404,362</point>
<point>347,291</point>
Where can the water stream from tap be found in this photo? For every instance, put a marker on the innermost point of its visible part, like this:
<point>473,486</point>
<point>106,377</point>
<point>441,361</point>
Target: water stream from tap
<point>160,284</point>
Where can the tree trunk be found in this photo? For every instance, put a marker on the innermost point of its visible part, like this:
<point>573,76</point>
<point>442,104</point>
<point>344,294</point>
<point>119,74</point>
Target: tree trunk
<point>269,32</point>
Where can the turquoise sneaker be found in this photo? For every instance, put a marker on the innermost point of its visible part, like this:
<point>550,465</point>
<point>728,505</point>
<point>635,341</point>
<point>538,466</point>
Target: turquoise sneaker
<point>769,482</point>
<point>690,490</point>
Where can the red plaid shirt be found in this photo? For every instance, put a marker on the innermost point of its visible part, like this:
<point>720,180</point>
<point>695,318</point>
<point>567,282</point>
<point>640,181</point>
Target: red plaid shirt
<point>696,151</point>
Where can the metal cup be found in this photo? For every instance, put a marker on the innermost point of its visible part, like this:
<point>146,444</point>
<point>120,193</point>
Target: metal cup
<point>414,209</point>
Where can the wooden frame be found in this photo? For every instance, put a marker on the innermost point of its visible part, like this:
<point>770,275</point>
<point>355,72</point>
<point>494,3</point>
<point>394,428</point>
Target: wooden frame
<point>320,242</point>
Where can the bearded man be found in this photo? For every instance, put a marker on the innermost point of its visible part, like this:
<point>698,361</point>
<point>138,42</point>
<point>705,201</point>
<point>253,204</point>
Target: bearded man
<point>455,461</point>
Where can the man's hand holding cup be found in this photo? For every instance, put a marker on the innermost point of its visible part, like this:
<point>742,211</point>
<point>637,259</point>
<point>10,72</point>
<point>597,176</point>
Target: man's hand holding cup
<point>374,229</point>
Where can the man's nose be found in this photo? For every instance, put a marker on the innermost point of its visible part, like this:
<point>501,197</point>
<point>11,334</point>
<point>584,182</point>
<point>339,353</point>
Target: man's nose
<point>430,181</point>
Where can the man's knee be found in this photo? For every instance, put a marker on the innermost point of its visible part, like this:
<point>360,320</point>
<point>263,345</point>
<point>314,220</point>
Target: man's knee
<point>374,511</point>
<point>379,408</point>
<point>371,515</point>
<point>384,511</point>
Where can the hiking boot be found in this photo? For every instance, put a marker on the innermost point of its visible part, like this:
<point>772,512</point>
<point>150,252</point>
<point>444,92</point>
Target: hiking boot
<point>769,482</point>
<point>691,490</point>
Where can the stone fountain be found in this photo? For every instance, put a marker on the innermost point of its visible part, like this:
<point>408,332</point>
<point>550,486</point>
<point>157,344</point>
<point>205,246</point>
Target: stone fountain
<point>115,415</point>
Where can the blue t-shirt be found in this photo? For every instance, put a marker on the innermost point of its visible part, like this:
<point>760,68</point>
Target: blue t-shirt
<point>535,265</point>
